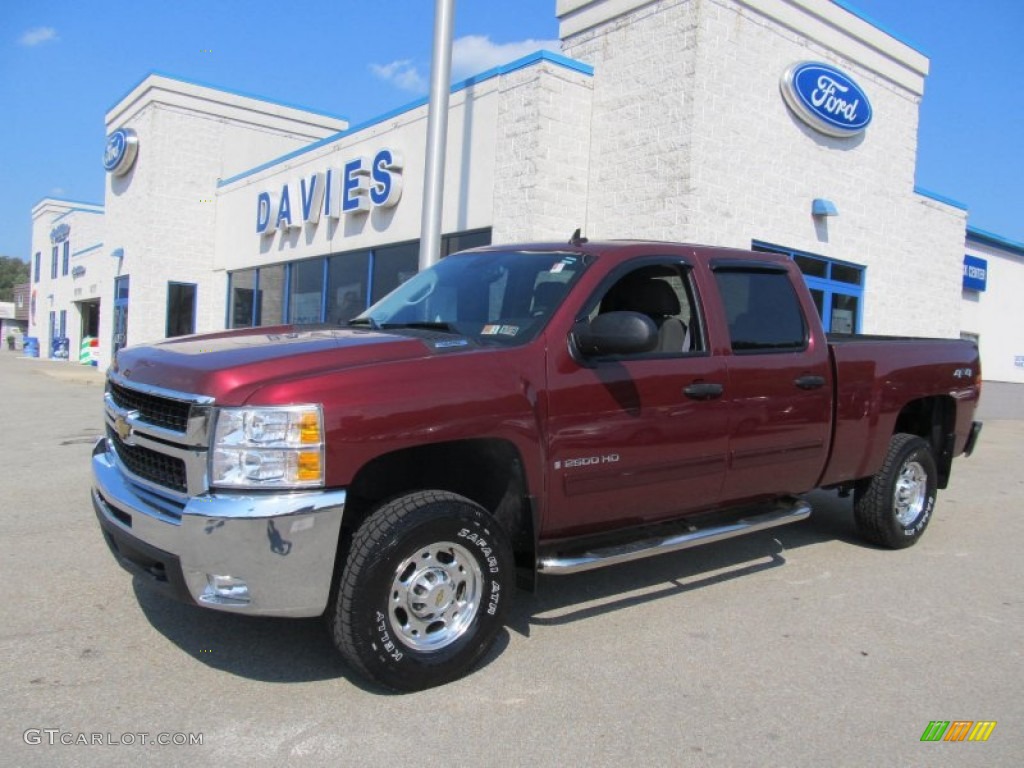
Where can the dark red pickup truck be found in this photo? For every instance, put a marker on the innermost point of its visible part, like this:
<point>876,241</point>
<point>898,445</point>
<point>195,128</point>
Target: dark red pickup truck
<point>511,411</point>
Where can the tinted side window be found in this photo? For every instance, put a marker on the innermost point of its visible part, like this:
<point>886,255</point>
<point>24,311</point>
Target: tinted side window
<point>762,310</point>
<point>665,294</point>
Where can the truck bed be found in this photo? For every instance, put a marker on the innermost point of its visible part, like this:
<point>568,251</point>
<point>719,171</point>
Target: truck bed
<point>880,380</point>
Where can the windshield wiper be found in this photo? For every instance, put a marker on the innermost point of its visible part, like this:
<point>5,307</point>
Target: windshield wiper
<point>424,325</point>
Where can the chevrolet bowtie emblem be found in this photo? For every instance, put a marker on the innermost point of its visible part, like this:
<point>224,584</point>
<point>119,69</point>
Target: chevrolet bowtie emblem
<point>123,429</point>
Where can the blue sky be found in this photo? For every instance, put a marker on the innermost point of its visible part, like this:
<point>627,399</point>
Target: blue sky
<point>63,64</point>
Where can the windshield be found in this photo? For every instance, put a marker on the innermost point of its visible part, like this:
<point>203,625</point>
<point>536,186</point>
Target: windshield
<point>499,297</point>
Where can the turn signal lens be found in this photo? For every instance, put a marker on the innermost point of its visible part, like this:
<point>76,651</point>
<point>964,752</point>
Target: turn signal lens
<point>309,428</point>
<point>310,466</point>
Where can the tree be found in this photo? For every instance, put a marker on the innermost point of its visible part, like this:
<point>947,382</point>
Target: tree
<point>12,272</point>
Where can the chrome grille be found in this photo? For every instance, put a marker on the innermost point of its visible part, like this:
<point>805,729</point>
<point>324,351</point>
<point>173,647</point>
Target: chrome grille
<point>160,436</point>
<point>166,471</point>
<point>159,411</point>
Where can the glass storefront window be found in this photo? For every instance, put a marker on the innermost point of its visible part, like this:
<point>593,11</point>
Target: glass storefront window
<point>811,267</point>
<point>240,309</point>
<point>836,287</point>
<point>392,266</point>
<point>464,240</point>
<point>354,281</point>
<point>819,300</point>
<point>845,274</point>
<point>844,313</point>
<point>347,275</point>
<point>270,299</point>
<point>181,309</point>
<point>306,291</point>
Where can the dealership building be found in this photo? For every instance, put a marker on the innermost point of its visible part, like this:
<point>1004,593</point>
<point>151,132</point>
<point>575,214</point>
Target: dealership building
<point>780,125</point>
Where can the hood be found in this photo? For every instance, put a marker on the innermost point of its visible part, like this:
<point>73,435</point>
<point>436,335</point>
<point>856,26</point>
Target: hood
<point>230,365</point>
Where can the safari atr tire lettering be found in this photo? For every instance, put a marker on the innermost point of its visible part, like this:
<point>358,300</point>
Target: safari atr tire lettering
<point>424,591</point>
<point>893,508</point>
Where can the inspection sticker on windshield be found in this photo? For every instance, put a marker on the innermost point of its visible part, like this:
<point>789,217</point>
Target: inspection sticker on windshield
<point>568,261</point>
<point>499,330</point>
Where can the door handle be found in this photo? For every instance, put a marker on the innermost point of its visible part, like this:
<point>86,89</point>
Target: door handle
<point>810,382</point>
<point>703,390</point>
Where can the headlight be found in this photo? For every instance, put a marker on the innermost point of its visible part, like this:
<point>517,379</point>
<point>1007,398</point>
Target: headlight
<point>268,447</point>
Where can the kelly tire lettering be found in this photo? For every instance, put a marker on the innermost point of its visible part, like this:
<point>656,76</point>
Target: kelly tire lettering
<point>423,591</point>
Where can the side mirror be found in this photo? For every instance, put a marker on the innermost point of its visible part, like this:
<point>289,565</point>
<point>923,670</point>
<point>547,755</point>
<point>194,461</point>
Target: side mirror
<point>615,333</point>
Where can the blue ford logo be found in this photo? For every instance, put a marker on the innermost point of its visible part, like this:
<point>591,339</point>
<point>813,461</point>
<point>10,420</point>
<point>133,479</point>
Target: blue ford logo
<point>60,233</point>
<point>122,145</point>
<point>826,99</point>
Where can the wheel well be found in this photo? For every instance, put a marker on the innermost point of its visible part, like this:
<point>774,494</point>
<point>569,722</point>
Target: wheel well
<point>487,471</point>
<point>934,419</point>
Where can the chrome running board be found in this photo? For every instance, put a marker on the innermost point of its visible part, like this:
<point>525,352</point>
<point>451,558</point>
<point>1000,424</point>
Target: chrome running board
<point>560,563</point>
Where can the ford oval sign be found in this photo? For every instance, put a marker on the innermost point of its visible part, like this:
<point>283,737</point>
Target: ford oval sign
<point>122,145</point>
<point>826,99</point>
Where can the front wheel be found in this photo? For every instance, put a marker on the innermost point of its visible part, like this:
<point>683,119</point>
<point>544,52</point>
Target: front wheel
<point>893,508</point>
<point>424,591</point>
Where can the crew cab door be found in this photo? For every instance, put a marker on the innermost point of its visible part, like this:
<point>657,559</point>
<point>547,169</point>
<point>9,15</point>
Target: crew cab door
<point>779,383</point>
<point>634,439</point>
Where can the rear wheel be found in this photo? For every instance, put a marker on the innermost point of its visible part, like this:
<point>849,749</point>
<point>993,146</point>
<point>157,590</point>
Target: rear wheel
<point>424,591</point>
<point>893,508</point>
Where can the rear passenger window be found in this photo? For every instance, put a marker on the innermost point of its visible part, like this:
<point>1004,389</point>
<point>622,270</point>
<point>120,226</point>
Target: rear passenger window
<point>762,310</point>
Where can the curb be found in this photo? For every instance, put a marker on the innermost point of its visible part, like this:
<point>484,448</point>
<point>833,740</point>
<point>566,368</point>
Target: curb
<point>64,370</point>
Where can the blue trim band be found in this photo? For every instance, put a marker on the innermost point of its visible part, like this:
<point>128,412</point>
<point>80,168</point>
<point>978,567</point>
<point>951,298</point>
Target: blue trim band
<point>59,200</point>
<point>785,250</point>
<point>284,158</point>
<point>939,198</point>
<point>998,241</point>
<point>846,6</point>
<point>75,210</point>
<point>243,94</point>
<point>86,250</point>
<point>525,61</point>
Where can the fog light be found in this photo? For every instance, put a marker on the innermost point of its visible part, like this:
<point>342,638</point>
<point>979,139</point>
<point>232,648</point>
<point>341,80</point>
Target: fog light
<point>225,589</point>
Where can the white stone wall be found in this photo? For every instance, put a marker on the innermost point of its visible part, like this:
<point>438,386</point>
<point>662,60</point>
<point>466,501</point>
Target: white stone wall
<point>996,315</point>
<point>162,213</point>
<point>468,187</point>
<point>542,148</point>
<point>692,141</point>
<point>65,292</point>
<point>642,132</point>
<point>516,161</point>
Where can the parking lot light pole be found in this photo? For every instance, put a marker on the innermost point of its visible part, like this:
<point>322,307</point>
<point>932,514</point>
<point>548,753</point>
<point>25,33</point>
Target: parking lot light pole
<point>437,133</point>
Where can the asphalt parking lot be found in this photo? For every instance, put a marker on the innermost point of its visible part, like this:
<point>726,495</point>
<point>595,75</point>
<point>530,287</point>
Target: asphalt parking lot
<point>796,647</point>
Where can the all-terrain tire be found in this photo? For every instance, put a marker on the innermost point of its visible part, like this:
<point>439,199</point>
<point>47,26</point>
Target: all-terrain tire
<point>424,591</point>
<point>893,508</point>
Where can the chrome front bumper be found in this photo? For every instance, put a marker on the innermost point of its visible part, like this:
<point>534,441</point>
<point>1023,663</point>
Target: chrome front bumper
<point>281,547</point>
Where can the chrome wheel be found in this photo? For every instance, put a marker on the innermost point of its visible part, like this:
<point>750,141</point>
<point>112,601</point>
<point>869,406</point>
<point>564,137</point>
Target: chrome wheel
<point>910,493</point>
<point>435,595</point>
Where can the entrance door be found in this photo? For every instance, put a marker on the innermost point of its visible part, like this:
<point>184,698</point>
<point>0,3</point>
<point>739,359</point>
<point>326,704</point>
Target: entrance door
<point>120,314</point>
